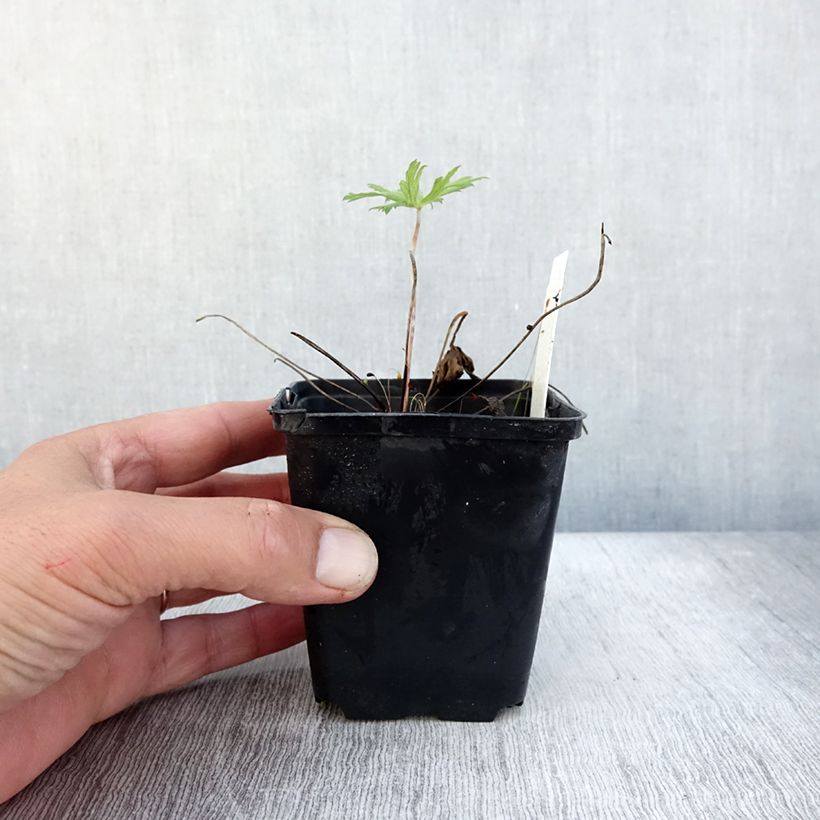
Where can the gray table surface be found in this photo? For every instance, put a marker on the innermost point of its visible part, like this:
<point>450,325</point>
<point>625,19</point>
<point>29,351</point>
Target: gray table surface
<point>676,675</point>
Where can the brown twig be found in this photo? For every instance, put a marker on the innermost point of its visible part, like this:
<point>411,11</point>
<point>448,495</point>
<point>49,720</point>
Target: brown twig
<point>314,383</point>
<point>385,391</point>
<point>492,403</point>
<point>301,371</point>
<point>419,401</point>
<point>563,395</point>
<point>530,328</point>
<point>415,238</point>
<point>411,327</point>
<point>456,322</point>
<point>339,364</point>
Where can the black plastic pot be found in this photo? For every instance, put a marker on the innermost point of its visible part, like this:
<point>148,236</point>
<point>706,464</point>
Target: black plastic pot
<point>462,510</point>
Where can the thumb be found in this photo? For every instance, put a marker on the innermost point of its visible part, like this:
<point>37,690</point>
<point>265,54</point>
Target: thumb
<point>265,549</point>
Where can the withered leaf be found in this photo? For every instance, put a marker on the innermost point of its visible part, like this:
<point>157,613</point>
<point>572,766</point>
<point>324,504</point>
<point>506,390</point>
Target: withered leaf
<point>453,365</point>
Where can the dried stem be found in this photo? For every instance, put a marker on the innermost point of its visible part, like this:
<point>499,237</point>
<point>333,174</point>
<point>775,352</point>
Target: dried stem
<point>415,238</point>
<point>341,365</point>
<point>463,316</point>
<point>314,383</point>
<point>492,403</point>
<point>564,396</point>
<point>411,325</point>
<point>419,401</point>
<point>385,391</point>
<point>530,328</point>
<point>456,323</point>
<point>305,374</point>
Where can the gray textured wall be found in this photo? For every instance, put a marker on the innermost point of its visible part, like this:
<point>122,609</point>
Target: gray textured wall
<point>163,159</point>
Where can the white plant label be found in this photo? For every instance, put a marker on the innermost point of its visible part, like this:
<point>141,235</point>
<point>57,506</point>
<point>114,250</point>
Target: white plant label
<point>546,338</point>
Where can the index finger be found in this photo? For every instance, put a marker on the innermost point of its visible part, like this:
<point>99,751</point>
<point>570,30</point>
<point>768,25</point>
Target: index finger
<point>172,448</point>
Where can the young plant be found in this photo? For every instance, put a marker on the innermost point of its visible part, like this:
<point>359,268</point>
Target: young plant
<point>409,195</point>
<point>453,362</point>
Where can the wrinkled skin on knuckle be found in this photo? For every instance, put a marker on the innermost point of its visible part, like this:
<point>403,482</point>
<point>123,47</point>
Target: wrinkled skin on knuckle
<point>111,555</point>
<point>267,525</point>
<point>29,662</point>
<point>80,546</point>
<point>121,460</point>
<point>56,464</point>
<point>282,548</point>
<point>49,618</point>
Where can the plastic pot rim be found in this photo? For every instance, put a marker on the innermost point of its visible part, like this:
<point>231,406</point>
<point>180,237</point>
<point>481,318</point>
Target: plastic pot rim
<point>290,418</point>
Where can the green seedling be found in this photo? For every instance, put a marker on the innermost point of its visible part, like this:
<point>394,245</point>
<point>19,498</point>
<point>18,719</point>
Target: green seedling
<point>410,195</point>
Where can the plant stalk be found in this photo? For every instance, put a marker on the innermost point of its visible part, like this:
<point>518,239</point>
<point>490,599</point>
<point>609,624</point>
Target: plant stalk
<point>530,328</point>
<point>452,330</point>
<point>415,238</point>
<point>358,379</point>
<point>411,317</point>
<point>301,371</point>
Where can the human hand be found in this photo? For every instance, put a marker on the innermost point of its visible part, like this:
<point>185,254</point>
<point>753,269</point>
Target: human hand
<point>96,525</point>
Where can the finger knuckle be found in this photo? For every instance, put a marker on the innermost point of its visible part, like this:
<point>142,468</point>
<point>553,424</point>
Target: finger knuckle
<point>109,553</point>
<point>271,527</point>
<point>39,452</point>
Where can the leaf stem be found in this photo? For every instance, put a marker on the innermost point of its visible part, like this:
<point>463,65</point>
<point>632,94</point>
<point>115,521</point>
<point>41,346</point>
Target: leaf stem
<point>408,341</point>
<point>305,374</point>
<point>452,330</point>
<point>415,238</point>
<point>530,328</point>
<point>341,365</point>
<point>411,317</point>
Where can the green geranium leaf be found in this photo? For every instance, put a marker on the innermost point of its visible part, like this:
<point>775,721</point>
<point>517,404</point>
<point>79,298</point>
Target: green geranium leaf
<point>409,193</point>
